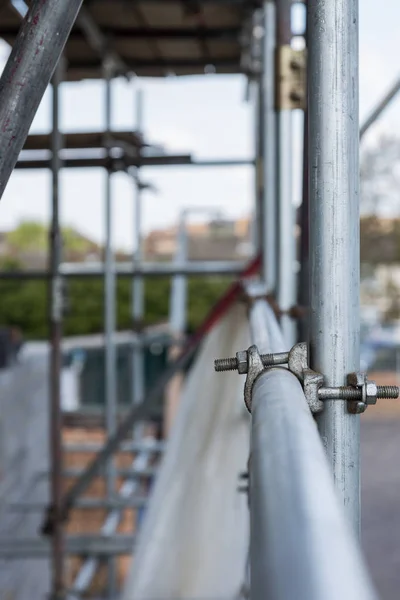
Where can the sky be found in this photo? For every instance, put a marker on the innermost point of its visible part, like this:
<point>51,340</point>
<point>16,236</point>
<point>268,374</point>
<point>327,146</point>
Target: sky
<point>206,116</point>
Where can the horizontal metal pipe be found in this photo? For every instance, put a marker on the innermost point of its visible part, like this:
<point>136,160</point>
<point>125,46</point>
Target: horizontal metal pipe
<point>38,548</point>
<point>147,269</point>
<point>127,473</point>
<point>301,544</point>
<point>128,447</point>
<point>84,504</point>
<point>124,162</point>
<point>208,268</point>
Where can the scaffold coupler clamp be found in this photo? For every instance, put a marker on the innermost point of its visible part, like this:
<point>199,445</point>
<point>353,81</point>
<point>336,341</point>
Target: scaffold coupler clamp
<point>359,391</point>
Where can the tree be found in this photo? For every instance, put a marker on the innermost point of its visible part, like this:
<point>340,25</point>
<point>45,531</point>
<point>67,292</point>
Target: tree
<point>33,236</point>
<point>28,235</point>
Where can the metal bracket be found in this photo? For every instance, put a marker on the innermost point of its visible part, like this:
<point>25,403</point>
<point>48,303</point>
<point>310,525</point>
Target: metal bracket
<point>359,392</point>
<point>254,368</point>
<point>291,78</point>
<point>310,380</point>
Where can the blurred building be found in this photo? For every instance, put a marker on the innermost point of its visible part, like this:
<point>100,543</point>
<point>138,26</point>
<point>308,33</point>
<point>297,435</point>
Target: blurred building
<point>220,239</point>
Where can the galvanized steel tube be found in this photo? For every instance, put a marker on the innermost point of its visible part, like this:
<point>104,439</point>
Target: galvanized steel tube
<point>109,308</point>
<point>286,288</point>
<point>301,546</point>
<point>145,269</point>
<point>138,282</point>
<point>110,356</point>
<point>55,325</point>
<point>334,229</point>
<point>268,124</point>
<point>178,302</point>
<point>27,73</point>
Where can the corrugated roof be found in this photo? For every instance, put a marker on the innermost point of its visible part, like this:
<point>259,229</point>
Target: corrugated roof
<point>155,37</point>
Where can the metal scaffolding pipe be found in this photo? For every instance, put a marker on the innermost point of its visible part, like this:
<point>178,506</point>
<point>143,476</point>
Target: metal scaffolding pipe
<point>286,288</point>
<point>295,516</point>
<point>109,318</point>
<point>334,229</point>
<point>268,124</point>
<point>138,386</point>
<point>85,504</point>
<point>33,58</point>
<point>134,446</point>
<point>178,299</point>
<point>258,176</point>
<point>200,268</point>
<point>298,530</point>
<point>157,269</point>
<point>55,326</point>
<point>36,548</point>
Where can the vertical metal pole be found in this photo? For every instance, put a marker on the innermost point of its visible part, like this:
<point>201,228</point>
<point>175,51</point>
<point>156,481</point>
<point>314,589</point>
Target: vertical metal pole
<point>55,319</point>
<point>268,133</point>
<point>259,177</point>
<point>334,228</point>
<point>286,295</point>
<point>109,322</point>
<point>179,282</point>
<point>303,295</point>
<point>138,282</point>
<point>304,223</point>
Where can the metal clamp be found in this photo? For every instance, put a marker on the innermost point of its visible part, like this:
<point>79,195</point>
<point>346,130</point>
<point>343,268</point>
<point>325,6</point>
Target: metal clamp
<point>359,393</point>
<point>311,380</point>
<point>254,368</point>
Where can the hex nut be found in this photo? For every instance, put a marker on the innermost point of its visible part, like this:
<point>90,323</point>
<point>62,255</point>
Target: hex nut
<point>358,380</point>
<point>242,362</point>
<point>371,392</point>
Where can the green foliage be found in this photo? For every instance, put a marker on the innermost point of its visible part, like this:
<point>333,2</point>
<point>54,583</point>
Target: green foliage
<point>29,235</point>
<point>32,235</point>
<point>24,304</point>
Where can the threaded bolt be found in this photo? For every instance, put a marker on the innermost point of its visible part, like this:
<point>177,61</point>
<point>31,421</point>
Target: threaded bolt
<point>350,393</point>
<point>388,391</point>
<point>225,364</point>
<point>268,360</point>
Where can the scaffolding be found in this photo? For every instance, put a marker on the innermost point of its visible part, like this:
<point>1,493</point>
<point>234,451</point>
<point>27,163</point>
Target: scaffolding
<point>215,36</point>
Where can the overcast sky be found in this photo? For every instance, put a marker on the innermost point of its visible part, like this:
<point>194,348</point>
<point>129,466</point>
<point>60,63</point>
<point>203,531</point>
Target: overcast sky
<point>207,116</point>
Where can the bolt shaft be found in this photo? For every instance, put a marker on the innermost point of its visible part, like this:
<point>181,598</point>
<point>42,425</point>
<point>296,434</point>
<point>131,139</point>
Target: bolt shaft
<point>225,364</point>
<point>350,393</point>
<point>268,360</point>
<point>388,391</point>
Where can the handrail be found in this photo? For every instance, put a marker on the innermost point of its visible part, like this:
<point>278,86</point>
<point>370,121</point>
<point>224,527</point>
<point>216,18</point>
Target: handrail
<point>301,544</point>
